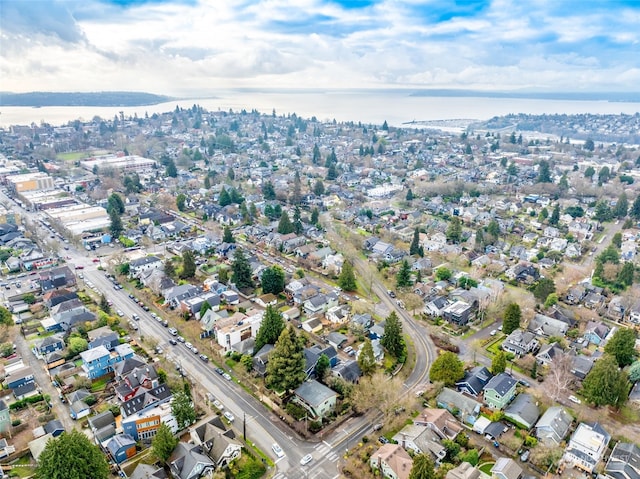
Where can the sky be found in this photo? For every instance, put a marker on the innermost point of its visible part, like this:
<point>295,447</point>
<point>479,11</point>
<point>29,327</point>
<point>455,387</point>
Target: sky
<point>195,47</point>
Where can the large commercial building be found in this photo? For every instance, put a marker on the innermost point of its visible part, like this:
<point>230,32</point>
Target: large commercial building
<point>29,182</point>
<point>130,163</point>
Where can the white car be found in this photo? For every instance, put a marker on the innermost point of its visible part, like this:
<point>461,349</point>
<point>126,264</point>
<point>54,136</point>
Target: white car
<point>306,460</point>
<point>493,332</point>
<point>218,405</point>
<point>575,399</point>
<point>230,417</point>
<point>120,313</point>
<point>277,450</point>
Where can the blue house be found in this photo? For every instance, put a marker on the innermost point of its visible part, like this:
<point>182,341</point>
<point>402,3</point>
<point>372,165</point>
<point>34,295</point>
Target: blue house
<point>19,378</point>
<point>121,447</point>
<point>459,405</point>
<point>99,361</point>
<point>313,353</point>
<point>54,427</point>
<point>50,344</point>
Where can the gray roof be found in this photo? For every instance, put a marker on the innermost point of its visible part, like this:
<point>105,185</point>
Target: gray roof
<point>314,393</point>
<point>624,462</point>
<point>502,384</point>
<point>523,408</point>
<point>554,424</point>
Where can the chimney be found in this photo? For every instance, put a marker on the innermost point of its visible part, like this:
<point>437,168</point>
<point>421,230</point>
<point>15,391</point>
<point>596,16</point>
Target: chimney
<point>380,461</point>
<point>404,441</point>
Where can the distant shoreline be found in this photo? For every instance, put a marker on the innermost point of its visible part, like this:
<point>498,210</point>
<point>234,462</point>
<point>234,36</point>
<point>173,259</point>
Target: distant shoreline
<point>97,99</point>
<point>136,99</point>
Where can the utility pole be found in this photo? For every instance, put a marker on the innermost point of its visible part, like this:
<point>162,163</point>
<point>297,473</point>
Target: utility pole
<point>244,426</point>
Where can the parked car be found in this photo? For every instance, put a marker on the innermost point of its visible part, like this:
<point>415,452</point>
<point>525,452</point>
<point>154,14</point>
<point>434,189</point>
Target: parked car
<point>173,341</point>
<point>220,371</point>
<point>230,417</point>
<point>493,332</point>
<point>218,404</point>
<point>173,331</point>
<point>524,457</point>
<point>383,440</point>
<point>227,376</point>
<point>575,399</point>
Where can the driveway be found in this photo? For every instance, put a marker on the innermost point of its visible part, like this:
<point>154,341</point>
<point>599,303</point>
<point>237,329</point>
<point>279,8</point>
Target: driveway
<point>43,381</point>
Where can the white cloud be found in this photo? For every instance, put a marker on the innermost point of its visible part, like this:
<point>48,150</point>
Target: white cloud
<point>177,47</point>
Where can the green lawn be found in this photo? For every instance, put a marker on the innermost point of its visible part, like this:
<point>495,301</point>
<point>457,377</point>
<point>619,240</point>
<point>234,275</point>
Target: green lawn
<point>78,155</point>
<point>24,467</point>
<point>486,467</point>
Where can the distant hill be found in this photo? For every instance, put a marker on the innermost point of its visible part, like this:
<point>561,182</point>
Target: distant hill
<point>102,98</point>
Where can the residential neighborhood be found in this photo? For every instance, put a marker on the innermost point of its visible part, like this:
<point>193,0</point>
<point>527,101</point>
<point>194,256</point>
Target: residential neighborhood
<point>190,290</point>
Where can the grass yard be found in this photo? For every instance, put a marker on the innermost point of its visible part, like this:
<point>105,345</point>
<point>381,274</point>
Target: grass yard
<point>24,467</point>
<point>79,155</point>
<point>486,467</point>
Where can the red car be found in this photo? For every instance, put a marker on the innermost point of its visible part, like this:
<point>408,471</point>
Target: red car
<point>95,260</point>
<point>79,267</point>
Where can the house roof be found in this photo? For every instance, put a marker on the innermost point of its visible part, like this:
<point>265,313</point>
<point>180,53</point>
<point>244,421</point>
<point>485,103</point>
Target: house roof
<point>145,399</point>
<point>119,441</point>
<point>624,462</point>
<point>557,419</point>
<point>314,393</point>
<point>463,471</point>
<point>453,398</point>
<point>349,371</point>
<point>396,458</point>
<point>507,467</point>
<point>145,471</point>
<point>185,457</point>
<point>476,379</point>
<point>501,384</point>
<point>524,407</point>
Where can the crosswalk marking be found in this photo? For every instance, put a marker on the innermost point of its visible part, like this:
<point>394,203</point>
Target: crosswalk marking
<point>280,475</point>
<point>325,451</point>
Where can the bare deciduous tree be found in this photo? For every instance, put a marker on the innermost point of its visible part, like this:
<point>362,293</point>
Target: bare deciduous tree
<point>559,377</point>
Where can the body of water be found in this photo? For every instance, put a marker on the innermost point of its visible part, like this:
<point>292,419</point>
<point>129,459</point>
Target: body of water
<point>396,107</point>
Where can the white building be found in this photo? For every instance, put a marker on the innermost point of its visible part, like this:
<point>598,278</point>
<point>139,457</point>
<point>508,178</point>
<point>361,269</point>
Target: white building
<point>587,446</point>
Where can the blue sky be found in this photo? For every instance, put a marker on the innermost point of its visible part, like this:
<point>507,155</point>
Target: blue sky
<point>185,47</point>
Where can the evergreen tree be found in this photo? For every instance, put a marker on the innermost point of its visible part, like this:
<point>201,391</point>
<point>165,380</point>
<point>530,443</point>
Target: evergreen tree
<point>622,346</point>
<point>414,248</point>
<point>454,230</point>
<point>392,339</point>
<point>315,216</point>
<point>555,215</point>
<point>512,317</point>
<point>589,172</point>
<point>625,276</point>
<point>544,173</point>
<point>272,280</point>
<point>499,363</point>
<point>322,367</point>
<point>544,287</point>
<point>403,277</point>
<point>605,384</point>
<point>207,182</point>
<point>447,368</point>
<point>241,270</point>
<point>622,206</point>
<point>479,241</point>
<point>296,192</point>
<point>268,191</point>
<point>332,174</point>
<point>227,235</point>
<point>316,155</point>
<point>181,201</point>
<point>182,409</point>
<point>104,304</point>
<point>285,369</point>
<point>298,228</point>
<point>188,265</point>
<point>493,228</point>
<point>71,456</point>
<point>409,196</point>
<point>285,226</point>
<point>635,209</point>
<point>163,443</point>
<point>115,203</point>
<point>318,188</point>
<point>171,171</point>
<point>422,468</point>
<point>224,199</point>
<point>270,329</point>
<point>116,227</point>
<point>366,359</point>
<point>347,278</point>
<point>602,211</point>
<point>169,269</point>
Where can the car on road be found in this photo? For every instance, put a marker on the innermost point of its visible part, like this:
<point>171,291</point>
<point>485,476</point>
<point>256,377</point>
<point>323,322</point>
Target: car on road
<point>377,427</point>
<point>277,450</point>
<point>95,260</point>
<point>524,383</point>
<point>188,345</point>
<point>79,266</point>
<point>227,376</point>
<point>306,460</point>
<point>574,399</point>
<point>230,417</point>
<point>220,371</point>
<point>181,339</point>
<point>493,332</point>
<point>136,317</point>
<point>165,323</point>
<point>204,357</point>
<point>173,331</point>
<point>391,293</point>
<point>194,350</point>
<point>218,404</point>
<point>173,341</point>
<point>120,313</point>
